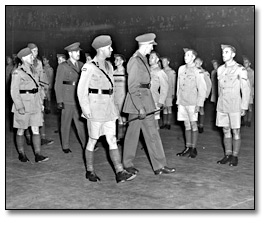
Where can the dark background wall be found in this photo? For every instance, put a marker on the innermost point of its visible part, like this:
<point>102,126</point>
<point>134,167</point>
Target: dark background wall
<point>203,28</point>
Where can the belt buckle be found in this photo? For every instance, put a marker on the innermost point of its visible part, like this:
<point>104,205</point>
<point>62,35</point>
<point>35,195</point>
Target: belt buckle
<point>99,91</point>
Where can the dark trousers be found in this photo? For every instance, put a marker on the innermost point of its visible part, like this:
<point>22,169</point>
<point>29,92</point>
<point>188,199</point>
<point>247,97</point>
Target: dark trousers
<point>69,113</point>
<point>152,140</point>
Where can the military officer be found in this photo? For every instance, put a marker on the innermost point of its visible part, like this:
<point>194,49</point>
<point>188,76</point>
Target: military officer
<point>207,79</point>
<point>67,77</point>
<point>96,97</point>
<point>167,112</point>
<point>27,105</point>
<point>250,72</point>
<point>191,91</point>
<point>139,101</point>
<point>233,99</point>
<point>159,84</point>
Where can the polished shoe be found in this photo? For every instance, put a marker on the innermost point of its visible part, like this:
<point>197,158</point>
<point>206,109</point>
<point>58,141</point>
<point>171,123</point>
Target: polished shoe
<point>193,153</point>
<point>163,127</point>
<point>132,170</point>
<point>185,152</point>
<point>124,176</point>
<point>67,150</point>
<point>225,159</point>
<point>164,170</point>
<point>23,158</point>
<point>234,161</point>
<point>45,141</point>
<point>90,175</point>
<point>41,158</point>
<point>200,129</point>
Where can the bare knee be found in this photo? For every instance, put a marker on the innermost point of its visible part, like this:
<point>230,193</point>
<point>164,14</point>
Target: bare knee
<point>227,132</point>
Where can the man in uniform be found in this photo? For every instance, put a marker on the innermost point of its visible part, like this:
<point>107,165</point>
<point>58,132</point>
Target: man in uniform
<point>120,83</point>
<point>67,77</point>
<point>139,101</point>
<point>233,99</point>
<point>207,79</point>
<point>27,105</point>
<point>96,97</point>
<point>167,112</point>
<point>250,73</point>
<point>159,84</point>
<point>191,90</point>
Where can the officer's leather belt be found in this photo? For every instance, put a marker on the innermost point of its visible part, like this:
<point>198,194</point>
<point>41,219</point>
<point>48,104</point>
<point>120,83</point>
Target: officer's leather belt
<point>69,82</point>
<point>33,91</point>
<point>145,85</point>
<point>101,91</point>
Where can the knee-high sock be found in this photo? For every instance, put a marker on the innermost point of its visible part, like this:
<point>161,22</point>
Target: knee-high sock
<point>165,119</point>
<point>20,143</point>
<point>116,159</point>
<point>188,138</point>
<point>36,143</point>
<point>28,135</point>
<point>194,138</point>
<point>228,145</point>
<point>201,120</point>
<point>236,146</point>
<point>89,157</point>
<point>249,116</point>
<point>169,118</point>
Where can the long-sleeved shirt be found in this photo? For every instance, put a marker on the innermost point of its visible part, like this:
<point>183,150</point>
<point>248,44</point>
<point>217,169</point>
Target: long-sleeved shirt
<point>191,86</point>
<point>233,88</point>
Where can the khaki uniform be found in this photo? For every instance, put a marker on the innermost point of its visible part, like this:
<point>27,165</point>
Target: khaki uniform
<point>50,78</point>
<point>26,93</point>
<point>208,82</point>
<point>172,82</point>
<point>100,106</point>
<point>250,74</point>
<point>67,77</point>
<point>138,97</point>
<point>120,91</point>
<point>232,84</point>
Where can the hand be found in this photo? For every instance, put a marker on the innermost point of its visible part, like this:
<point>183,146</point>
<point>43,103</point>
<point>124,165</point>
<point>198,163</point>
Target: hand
<point>60,105</point>
<point>21,111</point>
<point>243,112</point>
<point>87,116</point>
<point>142,114</point>
<point>197,109</point>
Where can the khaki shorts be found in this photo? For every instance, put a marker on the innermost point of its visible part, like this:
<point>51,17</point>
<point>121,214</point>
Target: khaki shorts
<point>97,129</point>
<point>187,113</point>
<point>232,120</point>
<point>27,120</point>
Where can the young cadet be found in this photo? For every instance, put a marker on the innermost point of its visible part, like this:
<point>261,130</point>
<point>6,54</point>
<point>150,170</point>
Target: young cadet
<point>191,92</point>
<point>27,105</point>
<point>96,97</point>
<point>233,100</point>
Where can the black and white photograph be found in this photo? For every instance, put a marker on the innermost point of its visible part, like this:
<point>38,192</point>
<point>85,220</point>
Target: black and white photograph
<point>130,107</point>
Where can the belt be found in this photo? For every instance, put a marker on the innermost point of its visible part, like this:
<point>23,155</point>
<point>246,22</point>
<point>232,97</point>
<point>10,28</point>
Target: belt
<point>33,91</point>
<point>145,85</point>
<point>70,82</point>
<point>101,91</point>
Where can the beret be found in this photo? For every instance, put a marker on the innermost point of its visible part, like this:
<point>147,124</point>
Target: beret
<point>31,45</point>
<point>73,47</point>
<point>101,41</point>
<point>148,38</point>
<point>24,52</point>
<point>228,46</point>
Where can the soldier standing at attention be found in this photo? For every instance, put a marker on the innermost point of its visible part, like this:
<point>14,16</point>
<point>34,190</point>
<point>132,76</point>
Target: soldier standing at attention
<point>207,79</point>
<point>167,112</point>
<point>250,73</point>
<point>191,90</point>
<point>27,105</point>
<point>159,84</point>
<point>95,93</point>
<point>233,99</point>
<point>67,77</point>
<point>139,102</point>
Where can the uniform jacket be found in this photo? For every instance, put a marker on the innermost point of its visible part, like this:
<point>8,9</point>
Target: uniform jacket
<point>172,81</point>
<point>250,73</point>
<point>50,75</point>
<point>191,86</point>
<point>66,93</point>
<point>21,80</point>
<point>41,76</point>
<point>138,73</point>
<point>101,107</point>
<point>208,82</point>
<point>159,84</point>
<point>233,88</point>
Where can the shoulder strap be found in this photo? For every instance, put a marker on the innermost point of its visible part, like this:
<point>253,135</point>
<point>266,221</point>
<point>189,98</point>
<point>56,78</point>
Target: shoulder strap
<point>30,76</point>
<point>103,72</point>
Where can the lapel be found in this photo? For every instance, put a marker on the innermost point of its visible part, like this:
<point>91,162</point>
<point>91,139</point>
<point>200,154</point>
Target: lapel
<point>144,61</point>
<point>77,69</point>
